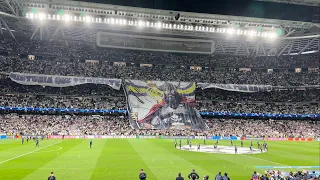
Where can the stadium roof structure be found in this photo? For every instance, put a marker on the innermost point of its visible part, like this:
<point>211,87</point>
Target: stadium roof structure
<point>295,37</point>
<point>298,2</point>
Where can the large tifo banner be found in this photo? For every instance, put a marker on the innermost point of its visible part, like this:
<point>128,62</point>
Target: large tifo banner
<point>61,81</point>
<point>163,105</point>
<point>236,87</point>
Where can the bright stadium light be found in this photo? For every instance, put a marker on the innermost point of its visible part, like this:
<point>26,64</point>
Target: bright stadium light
<point>67,18</point>
<point>58,17</point>
<point>31,15</point>
<point>41,16</point>
<point>147,24</point>
<point>159,25</point>
<point>87,19</point>
<point>124,21</point>
<point>224,30</point>
<point>112,21</point>
<point>230,31</point>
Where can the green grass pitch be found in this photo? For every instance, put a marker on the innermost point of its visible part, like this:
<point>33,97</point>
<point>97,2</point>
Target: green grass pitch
<point>122,159</point>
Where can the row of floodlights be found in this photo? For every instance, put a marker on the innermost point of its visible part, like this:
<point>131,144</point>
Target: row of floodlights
<point>142,23</point>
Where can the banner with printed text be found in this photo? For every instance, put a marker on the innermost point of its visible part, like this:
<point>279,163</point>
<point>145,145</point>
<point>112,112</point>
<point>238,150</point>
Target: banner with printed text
<point>163,105</point>
<point>236,87</point>
<point>61,81</point>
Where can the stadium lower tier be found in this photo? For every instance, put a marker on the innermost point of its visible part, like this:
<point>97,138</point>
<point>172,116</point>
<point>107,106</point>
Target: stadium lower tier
<point>15,124</point>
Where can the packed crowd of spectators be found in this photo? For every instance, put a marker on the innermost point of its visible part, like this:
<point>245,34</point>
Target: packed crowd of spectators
<point>42,101</point>
<point>256,107</point>
<point>14,124</point>
<point>81,50</point>
<point>302,95</point>
<point>91,96</point>
<point>63,125</point>
<point>157,72</point>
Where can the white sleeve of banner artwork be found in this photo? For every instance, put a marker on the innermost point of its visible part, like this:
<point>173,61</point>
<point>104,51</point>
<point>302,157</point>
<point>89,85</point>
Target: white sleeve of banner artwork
<point>61,81</point>
<point>163,105</point>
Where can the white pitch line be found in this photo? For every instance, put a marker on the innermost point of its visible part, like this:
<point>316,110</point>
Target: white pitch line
<point>265,160</point>
<point>28,153</point>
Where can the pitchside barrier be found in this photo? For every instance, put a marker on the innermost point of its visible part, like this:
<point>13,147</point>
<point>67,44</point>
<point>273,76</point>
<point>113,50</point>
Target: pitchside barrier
<point>278,139</point>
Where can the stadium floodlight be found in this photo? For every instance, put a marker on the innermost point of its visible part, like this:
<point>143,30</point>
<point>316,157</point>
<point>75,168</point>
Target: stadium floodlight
<point>58,17</point>
<point>41,16</point>
<point>124,21</point>
<point>67,18</point>
<point>159,25</point>
<point>112,21</point>
<point>147,23</point>
<point>230,31</point>
<point>31,15</point>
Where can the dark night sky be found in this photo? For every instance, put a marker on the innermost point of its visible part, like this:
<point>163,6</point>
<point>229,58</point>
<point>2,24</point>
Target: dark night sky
<point>248,8</point>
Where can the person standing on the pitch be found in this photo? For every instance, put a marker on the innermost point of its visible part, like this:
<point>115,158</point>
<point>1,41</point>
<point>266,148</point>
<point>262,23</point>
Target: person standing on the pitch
<point>241,143</point>
<point>231,143</point>
<point>193,175</point>
<point>142,175</point>
<point>37,142</point>
<point>190,145</point>
<point>179,177</point>
<point>90,144</point>
<point>175,143</point>
<point>27,139</point>
<point>22,140</point>
<point>218,176</point>
<point>198,146</point>
<point>204,141</point>
<point>62,137</point>
<point>180,144</point>
<point>51,177</point>
<point>225,177</point>
<point>235,149</point>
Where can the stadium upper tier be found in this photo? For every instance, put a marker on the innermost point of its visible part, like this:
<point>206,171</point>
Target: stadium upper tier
<point>157,30</point>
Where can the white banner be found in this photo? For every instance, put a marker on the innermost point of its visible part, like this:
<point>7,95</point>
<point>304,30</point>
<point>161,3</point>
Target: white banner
<point>236,87</point>
<point>61,81</point>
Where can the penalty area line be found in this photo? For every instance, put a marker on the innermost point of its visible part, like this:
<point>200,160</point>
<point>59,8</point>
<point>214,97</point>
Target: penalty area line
<point>28,153</point>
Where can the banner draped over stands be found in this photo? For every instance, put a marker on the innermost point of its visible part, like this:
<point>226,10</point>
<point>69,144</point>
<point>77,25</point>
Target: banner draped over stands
<point>61,81</point>
<point>236,87</point>
<point>163,105</point>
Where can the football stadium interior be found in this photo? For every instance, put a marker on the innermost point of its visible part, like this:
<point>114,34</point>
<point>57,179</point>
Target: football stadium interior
<point>159,90</point>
